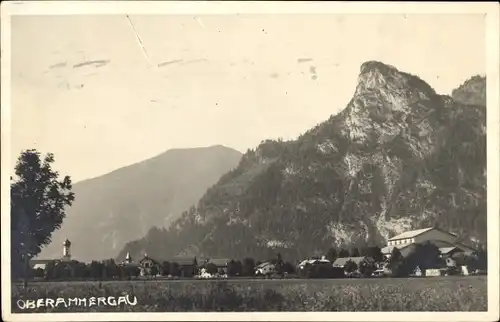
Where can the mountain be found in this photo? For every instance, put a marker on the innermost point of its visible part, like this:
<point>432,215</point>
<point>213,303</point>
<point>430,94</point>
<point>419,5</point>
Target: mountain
<point>472,91</point>
<point>398,157</point>
<point>123,205</point>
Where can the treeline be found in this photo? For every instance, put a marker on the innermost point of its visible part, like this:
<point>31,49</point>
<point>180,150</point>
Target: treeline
<point>95,270</point>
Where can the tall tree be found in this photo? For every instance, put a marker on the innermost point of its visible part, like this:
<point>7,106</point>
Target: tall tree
<point>38,202</point>
<point>279,264</point>
<point>343,253</point>
<point>248,268</point>
<point>374,252</point>
<point>195,266</point>
<point>482,258</point>
<point>396,262</point>
<point>354,252</point>
<point>331,255</point>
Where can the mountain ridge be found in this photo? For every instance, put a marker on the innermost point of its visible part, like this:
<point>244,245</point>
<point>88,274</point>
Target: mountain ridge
<point>400,156</point>
<point>127,202</point>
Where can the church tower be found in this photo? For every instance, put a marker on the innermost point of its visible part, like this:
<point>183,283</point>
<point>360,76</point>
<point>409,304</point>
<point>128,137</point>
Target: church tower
<point>66,250</point>
<point>128,259</point>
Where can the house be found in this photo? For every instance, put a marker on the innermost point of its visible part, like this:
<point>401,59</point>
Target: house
<point>340,262</point>
<point>435,272</point>
<point>184,266</point>
<point>265,268</point>
<point>405,242</point>
<point>417,272</point>
<point>220,263</point>
<point>450,262</point>
<point>40,263</point>
<point>447,252</point>
<point>148,266</point>
<point>381,269</point>
<point>188,266</point>
<point>312,261</point>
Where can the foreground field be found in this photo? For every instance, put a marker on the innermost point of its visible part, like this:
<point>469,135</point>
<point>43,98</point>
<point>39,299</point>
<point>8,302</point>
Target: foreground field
<point>418,294</point>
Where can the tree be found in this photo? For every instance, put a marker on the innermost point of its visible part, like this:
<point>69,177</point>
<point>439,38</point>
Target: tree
<point>331,255</point>
<point>175,269</point>
<point>376,253</point>
<point>238,267</point>
<point>482,258</point>
<point>95,270</point>
<point>350,266</point>
<point>231,268</point>
<point>396,262</point>
<point>248,268</point>
<point>211,268</point>
<point>154,270</point>
<point>165,267</point>
<point>110,268</point>
<point>426,255</point>
<point>195,266</point>
<point>38,202</point>
<point>367,267</point>
<point>354,252</point>
<point>279,264</point>
<point>288,268</point>
<point>343,253</point>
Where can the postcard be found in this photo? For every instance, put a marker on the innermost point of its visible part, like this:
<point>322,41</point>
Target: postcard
<point>260,161</point>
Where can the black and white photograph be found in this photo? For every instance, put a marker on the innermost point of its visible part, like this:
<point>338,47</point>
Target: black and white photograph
<point>249,161</point>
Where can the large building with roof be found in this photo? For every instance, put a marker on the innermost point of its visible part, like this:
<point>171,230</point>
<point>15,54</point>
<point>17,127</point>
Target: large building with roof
<point>446,242</point>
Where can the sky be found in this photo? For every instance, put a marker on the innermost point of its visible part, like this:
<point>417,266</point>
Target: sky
<point>102,92</point>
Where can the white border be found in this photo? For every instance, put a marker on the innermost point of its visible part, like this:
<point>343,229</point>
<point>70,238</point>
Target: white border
<point>491,10</point>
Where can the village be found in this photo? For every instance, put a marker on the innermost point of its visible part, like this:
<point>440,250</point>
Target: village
<point>413,249</point>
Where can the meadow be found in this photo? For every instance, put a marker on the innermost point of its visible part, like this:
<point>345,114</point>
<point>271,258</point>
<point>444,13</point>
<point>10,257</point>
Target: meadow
<point>375,294</point>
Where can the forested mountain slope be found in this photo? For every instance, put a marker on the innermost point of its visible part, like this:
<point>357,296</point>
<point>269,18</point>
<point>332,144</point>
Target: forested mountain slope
<point>398,157</point>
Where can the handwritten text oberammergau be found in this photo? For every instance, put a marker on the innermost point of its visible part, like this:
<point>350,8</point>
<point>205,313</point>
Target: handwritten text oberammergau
<point>82,302</point>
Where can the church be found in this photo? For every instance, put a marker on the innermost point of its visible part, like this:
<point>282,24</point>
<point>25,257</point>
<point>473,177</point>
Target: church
<point>65,263</point>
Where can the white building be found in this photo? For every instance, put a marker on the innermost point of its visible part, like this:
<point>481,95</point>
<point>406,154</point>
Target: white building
<point>313,261</point>
<point>266,268</point>
<point>406,241</point>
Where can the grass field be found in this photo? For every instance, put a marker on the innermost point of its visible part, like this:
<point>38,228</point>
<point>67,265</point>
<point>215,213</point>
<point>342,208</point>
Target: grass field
<point>390,294</point>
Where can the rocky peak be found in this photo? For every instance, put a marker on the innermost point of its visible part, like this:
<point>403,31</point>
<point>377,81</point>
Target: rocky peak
<point>471,92</point>
<point>386,99</point>
<point>386,79</point>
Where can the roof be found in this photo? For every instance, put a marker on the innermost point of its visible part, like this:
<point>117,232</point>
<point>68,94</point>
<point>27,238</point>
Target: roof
<point>145,258</point>
<point>342,261</point>
<point>40,265</point>
<point>219,261</point>
<point>411,233</point>
<point>446,250</point>
<point>179,260</point>
<point>313,261</point>
<point>40,261</point>
<point>465,247</point>
<point>262,265</point>
<point>182,260</point>
<point>389,249</point>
